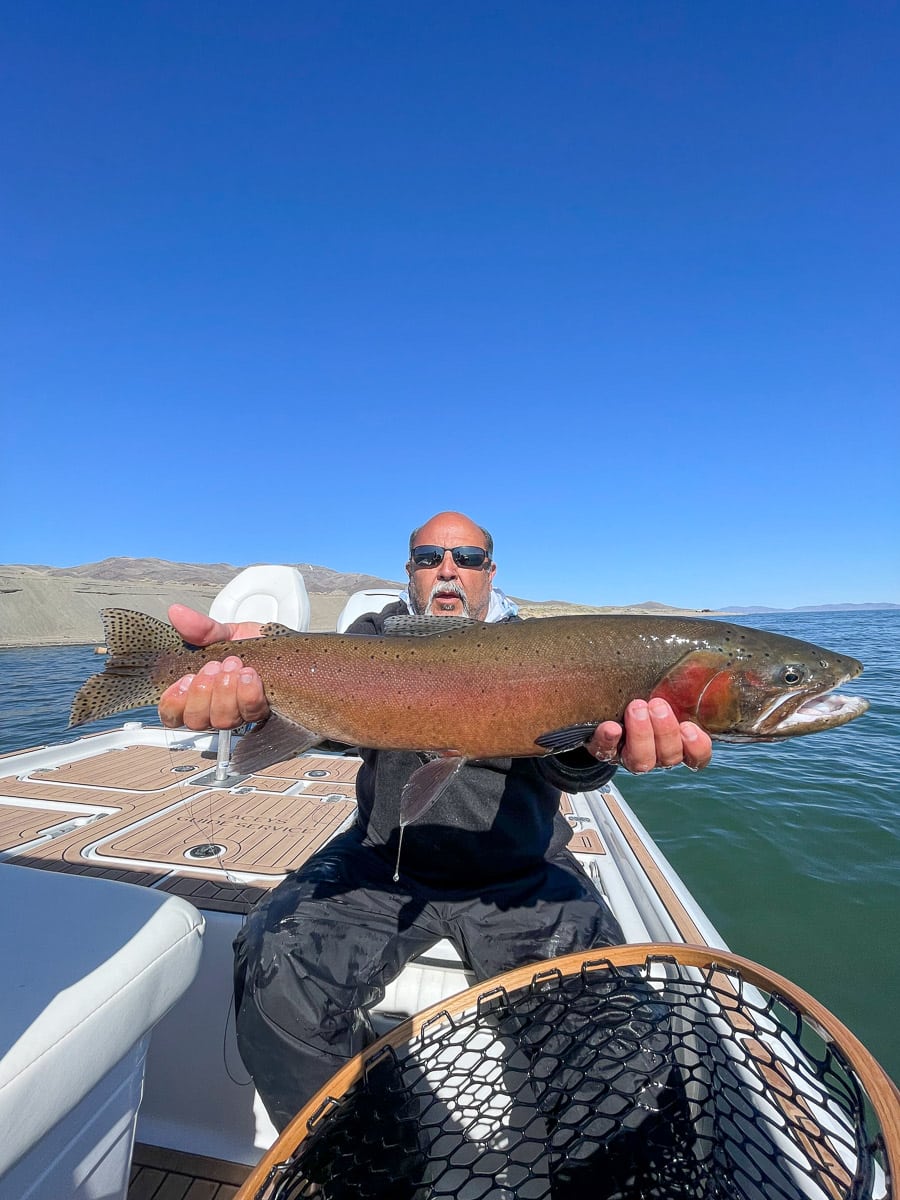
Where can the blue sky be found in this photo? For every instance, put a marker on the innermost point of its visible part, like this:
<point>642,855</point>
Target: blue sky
<point>620,280</point>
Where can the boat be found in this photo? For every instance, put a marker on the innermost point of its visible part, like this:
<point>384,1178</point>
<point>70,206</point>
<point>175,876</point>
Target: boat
<point>131,857</point>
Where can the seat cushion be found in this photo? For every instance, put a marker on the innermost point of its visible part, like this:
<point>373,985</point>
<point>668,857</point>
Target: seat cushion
<point>88,968</point>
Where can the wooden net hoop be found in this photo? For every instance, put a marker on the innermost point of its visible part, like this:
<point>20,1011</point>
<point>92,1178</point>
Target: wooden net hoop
<point>280,1173</point>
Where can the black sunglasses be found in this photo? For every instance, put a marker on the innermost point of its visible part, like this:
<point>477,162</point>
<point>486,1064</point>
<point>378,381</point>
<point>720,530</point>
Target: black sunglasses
<point>469,557</point>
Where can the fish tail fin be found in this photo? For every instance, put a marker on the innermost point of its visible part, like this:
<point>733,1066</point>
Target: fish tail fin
<point>134,641</point>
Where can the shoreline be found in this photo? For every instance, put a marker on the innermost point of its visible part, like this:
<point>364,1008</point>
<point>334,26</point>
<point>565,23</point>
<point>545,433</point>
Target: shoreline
<point>326,623</point>
<point>39,610</point>
<point>44,606</point>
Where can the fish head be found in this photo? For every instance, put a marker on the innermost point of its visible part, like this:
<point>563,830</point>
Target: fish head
<point>764,688</point>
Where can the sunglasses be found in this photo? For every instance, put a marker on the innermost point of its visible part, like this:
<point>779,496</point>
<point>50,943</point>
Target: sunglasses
<point>468,557</point>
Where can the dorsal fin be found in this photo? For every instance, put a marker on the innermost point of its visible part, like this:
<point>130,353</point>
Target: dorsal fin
<point>275,629</point>
<point>424,626</point>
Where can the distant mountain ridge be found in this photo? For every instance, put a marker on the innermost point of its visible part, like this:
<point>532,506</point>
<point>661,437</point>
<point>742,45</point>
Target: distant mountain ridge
<point>876,606</point>
<point>160,571</point>
<point>324,581</point>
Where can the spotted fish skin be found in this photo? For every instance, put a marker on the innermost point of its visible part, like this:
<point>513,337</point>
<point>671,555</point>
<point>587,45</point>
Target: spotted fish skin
<point>510,689</point>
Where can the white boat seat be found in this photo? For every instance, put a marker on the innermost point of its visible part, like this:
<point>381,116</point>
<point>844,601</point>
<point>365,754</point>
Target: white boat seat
<point>367,601</point>
<point>264,593</point>
<point>89,967</point>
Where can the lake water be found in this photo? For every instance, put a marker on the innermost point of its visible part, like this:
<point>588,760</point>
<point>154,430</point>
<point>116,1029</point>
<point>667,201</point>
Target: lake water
<point>792,849</point>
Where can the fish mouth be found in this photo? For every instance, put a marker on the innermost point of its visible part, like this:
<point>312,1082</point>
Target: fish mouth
<point>791,715</point>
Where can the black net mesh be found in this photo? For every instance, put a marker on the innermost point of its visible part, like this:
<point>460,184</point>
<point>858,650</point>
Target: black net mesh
<point>655,1080</point>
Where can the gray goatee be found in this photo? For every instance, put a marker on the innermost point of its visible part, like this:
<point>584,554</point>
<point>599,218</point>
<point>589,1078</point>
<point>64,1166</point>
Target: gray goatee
<point>448,588</point>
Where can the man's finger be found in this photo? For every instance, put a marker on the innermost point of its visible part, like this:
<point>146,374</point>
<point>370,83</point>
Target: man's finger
<point>237,696</point>
<point>224,712</point>
<point>667,735</point>
<point>639,751</point>
<point>604,741</point>
<point>251,696</point>
<point>196,627</point>
<point>172,701</point>
<point>199,697</point>
<point>697,746</point>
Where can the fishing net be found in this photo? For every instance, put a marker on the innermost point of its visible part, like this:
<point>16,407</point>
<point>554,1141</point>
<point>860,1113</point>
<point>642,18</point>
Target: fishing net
<point>663,1071</point>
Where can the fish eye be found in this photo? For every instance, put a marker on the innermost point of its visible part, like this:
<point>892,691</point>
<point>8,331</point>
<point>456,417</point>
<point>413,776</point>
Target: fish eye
<point>792,674</point>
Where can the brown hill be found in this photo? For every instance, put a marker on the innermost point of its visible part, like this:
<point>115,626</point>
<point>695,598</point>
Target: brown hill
<point>60,606</point>
<point>57,606</point>
<point>161,571</point>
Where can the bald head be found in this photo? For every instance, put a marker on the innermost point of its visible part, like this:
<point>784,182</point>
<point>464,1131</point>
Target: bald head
<point>460,520</point>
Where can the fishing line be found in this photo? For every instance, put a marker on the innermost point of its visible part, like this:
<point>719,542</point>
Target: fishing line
<point>396,875</point>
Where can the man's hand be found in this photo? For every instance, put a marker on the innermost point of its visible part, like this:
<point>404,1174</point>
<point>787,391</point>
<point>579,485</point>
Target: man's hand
<point>201,630</point>
<point>653,738</point>
<point>222,695</point>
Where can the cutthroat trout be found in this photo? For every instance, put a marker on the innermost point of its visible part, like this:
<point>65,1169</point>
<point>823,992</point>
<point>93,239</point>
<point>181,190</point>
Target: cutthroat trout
<point>469,690</point>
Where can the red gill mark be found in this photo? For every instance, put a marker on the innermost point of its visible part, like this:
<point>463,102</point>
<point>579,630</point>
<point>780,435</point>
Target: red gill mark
<point>720,707</point>
<point>684,685</point>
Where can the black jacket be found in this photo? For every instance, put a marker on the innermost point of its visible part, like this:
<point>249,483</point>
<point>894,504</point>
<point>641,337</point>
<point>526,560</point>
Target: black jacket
<point>497,819</point>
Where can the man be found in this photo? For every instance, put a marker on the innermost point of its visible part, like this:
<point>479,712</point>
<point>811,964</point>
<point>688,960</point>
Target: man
<point>486,867</point>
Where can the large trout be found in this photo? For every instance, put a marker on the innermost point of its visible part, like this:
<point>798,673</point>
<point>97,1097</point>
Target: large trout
<point>468,690</point>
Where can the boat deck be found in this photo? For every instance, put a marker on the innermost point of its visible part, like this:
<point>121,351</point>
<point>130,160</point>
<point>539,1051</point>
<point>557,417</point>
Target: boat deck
<point>142,805</point>
<point>160,1174</point>
<point>154,815</point>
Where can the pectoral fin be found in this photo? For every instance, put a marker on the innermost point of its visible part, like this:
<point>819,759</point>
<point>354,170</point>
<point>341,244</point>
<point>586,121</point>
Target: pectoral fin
<point>557,741</point>
<point>425,785</point>
<point>274,740</point>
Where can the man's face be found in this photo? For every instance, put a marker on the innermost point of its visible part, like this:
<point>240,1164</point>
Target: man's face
<point>446,589</point>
